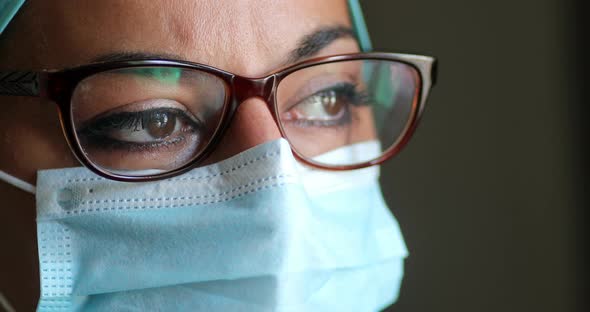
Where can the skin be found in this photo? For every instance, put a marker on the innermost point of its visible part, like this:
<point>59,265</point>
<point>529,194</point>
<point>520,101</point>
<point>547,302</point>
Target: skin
<point>249,38</point>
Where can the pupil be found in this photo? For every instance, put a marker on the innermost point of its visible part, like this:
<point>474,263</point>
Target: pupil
<point>330,103</point>
<point>161,125</point>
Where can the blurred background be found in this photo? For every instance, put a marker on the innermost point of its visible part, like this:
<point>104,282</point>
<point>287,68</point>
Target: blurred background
<point>490,192</point>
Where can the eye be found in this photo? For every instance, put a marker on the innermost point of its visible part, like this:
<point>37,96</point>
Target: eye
<point>323,105</point>
<point>327,107</point>
<point>161,125</point>
<point>142,129</point>
<point>134,120</point>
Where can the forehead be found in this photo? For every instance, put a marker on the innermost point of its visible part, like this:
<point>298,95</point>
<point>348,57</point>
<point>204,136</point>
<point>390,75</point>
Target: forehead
<point>248,37</point>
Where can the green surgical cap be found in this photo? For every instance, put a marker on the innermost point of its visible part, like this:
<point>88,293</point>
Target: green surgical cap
<point>359,25</point>
<point>8,9</point>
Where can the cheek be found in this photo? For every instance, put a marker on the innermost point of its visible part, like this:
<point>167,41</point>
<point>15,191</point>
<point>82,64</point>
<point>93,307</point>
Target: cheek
<point>314,141</point>
<point>52,148</point>
<point>32,138</point>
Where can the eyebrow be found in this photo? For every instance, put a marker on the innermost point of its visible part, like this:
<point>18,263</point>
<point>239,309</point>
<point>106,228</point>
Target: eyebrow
<point>308,46</point>
<point>316,41</point>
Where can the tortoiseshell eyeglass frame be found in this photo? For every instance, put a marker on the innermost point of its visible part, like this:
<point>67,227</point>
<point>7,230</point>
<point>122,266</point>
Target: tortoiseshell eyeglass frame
<point>59,85</point>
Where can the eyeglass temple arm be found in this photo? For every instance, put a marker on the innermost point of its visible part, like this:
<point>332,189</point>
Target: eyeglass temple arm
<point>23,83</point>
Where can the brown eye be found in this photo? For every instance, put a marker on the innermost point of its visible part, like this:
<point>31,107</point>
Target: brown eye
<point>326,105</point>
<point>152,126</point>
<point>330,103</point>
<point>161,125</point>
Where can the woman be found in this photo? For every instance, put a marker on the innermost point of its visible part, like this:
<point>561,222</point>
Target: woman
<point>238,194</point>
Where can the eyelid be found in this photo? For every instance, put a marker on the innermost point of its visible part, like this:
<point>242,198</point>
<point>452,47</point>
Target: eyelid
<point>336,87</point>
<point>138,107</point>
<point>314,86</point>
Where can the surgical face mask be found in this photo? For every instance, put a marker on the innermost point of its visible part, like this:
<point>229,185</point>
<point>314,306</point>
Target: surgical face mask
<point>256,232</point>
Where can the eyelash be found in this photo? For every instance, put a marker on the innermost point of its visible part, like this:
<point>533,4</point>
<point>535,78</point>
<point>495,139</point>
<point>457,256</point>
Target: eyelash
<point>94,132</point>
<point>352,93</point>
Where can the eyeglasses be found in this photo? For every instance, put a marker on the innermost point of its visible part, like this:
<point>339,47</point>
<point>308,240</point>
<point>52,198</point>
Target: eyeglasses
<point>152,119</point>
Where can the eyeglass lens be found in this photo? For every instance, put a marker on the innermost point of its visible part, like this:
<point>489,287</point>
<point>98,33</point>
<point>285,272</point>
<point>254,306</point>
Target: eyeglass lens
<point>349,112</point>
<point>148,120</point>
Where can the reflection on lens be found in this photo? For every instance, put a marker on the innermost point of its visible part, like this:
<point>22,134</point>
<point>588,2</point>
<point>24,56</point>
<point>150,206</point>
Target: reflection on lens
<point>145,120</point>
<point>345,104</point>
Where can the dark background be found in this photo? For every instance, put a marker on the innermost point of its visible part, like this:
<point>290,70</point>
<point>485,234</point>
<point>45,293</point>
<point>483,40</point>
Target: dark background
<point>490,192</point>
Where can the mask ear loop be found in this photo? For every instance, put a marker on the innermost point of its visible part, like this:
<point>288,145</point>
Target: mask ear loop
<point>8,9</point>
<point>16,182</point>
<point>5,304</point>
<point>359,25</point>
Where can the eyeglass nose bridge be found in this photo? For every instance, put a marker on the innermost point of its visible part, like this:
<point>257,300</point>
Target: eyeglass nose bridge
<point>245,88</point>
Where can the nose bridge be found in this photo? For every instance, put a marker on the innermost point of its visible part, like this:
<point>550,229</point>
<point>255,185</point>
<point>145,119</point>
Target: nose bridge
<point>245,88</point>
<point>251,124</point>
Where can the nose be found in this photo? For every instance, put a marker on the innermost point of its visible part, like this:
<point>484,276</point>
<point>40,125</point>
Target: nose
<point>252,125</point>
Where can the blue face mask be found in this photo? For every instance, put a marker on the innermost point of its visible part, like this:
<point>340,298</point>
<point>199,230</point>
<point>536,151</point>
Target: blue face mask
<point>256,232</point>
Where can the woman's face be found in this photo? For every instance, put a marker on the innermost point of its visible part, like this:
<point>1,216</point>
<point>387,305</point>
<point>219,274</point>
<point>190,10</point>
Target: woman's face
<point>248,38</point>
